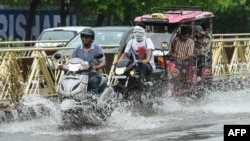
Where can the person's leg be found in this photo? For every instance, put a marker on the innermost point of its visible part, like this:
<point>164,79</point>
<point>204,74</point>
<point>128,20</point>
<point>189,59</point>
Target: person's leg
<point>200,60</point>
<point>200,63</point>
<point>144,69</point>
<point>180,64</point>
<point>149,69</point>
<point>94,81</point>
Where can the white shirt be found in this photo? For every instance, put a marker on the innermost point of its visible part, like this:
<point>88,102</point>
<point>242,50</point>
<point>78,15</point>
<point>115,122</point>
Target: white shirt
<point>147,43</point>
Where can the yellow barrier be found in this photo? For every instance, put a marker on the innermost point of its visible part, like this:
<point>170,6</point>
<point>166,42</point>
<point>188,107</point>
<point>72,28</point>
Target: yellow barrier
<point>230,56</point>
<point>30,71</point>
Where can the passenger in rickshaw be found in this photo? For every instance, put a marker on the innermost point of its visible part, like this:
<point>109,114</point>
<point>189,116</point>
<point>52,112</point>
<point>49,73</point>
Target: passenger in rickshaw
<point>207,41</point>
<point>202,48</point>
<point>199,46</point>
<point>182,50</point>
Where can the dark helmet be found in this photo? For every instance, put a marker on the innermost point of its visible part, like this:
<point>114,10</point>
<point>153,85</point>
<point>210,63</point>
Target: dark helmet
<point>88,32</point>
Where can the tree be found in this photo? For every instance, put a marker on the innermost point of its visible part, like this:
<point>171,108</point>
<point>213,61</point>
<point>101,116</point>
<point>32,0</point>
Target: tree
<point>64,11</point>
<point>122,12</point>
<point>32,12</point>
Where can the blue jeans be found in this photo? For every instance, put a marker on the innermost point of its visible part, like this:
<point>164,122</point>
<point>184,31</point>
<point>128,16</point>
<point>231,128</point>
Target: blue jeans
<point>94,81</point>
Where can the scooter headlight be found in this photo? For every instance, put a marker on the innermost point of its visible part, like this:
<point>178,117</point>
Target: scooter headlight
<point>174,72</point>
<point>120,71</point>
<point>74,67</point>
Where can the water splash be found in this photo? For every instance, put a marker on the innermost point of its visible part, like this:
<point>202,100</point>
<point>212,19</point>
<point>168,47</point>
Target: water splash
<point>172,112</point>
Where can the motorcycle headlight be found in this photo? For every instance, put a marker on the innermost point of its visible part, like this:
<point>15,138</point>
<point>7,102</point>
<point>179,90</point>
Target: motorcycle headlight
<point>120,71</point>
<point>132,72</point>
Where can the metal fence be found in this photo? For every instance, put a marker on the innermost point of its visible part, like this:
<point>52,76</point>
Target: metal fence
<point>31,71</point>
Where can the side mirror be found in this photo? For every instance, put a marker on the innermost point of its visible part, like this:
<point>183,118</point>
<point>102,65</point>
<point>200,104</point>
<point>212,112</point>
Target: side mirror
<point>57,56</point>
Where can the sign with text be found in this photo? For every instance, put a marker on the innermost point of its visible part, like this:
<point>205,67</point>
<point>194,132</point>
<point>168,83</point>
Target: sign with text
<point>237,132</point>
<point>13,22</point>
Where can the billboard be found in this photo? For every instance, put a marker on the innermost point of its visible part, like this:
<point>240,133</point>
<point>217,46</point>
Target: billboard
<point>13,22</point>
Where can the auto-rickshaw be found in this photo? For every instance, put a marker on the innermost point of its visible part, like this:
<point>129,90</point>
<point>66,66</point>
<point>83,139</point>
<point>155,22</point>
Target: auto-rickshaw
<point>163,26</point>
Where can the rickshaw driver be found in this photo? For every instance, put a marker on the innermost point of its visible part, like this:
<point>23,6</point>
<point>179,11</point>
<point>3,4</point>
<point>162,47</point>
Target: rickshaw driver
<point>182,49</point>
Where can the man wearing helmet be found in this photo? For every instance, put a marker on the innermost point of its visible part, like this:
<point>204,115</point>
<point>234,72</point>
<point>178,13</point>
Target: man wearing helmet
<point>87,51</point>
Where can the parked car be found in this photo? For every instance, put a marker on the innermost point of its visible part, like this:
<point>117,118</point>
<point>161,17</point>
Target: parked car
<point>106,35</point>
<point>64,33</point>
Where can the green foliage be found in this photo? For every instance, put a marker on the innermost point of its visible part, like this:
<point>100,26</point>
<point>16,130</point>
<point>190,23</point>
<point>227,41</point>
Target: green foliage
<point>1,38</point>
<point>9,42</point>
<point>16,2</point>
<point>124,11</point>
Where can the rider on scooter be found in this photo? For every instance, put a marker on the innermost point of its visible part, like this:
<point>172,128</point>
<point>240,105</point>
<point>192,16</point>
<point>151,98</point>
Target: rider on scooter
<point>87,51</point>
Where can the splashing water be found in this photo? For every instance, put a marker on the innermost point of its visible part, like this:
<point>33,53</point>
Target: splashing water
<point>171,119</point>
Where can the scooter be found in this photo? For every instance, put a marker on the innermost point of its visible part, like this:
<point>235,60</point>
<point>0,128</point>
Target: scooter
<point>78,105</point>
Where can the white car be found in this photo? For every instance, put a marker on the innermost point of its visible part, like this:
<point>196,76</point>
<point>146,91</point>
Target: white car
<point>49,36</point>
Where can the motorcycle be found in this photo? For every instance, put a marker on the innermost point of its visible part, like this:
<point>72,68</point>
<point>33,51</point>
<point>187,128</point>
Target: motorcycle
<point>126,83</point>
<point>78,106</point>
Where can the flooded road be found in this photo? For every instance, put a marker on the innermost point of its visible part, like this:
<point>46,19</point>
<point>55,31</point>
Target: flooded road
<point>175,120</point>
